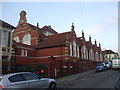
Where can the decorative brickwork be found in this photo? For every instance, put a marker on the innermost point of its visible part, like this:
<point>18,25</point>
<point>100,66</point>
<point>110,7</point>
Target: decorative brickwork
<point>64,53</point>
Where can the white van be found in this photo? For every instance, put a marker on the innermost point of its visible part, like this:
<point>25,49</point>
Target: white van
<point>116,63</point>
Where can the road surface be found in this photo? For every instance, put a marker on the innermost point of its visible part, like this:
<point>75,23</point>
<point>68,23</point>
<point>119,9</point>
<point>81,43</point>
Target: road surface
<point>105,79</point>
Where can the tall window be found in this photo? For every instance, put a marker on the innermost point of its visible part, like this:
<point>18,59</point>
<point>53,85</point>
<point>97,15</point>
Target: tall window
<point>84,52</point>
<point>74,48</point>
<point>91,55</point>
<point>96,56</point>
<point>4,38</point>
<point>9,39</point>
<point>70,49</point>
<point>27,39</point>
<point>16,39</point>
<point>78,54</point>
<point>87,53</point>
<point>100,57</point>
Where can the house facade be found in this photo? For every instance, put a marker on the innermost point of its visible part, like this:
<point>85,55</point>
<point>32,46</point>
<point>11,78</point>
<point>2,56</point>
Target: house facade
<point>109,55</point>
<point>5,46</point>
<point>52,54</point>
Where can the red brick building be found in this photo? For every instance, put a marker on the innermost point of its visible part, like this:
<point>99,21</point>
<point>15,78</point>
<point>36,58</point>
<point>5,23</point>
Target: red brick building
<point>58,54</point>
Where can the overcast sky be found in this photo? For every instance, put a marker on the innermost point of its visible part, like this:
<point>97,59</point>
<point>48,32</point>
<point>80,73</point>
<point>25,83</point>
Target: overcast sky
<point>98,19</point>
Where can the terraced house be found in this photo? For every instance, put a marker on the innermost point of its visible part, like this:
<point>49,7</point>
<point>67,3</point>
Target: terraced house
<point>52,54</point>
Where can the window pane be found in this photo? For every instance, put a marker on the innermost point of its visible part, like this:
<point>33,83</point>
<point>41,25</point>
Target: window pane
<point>30,76</point>
<point>47,33</point>
<point>16,39</point>
<point>16,78</point>
<point>22,52</point>
<point>70,49</point>
<point>9,37</point>
<point>4,38</point>
<point>4,57</point>
<point>25,52</point>
<point>74,48</point>
<point>27,39</point>
<point>78,51</point>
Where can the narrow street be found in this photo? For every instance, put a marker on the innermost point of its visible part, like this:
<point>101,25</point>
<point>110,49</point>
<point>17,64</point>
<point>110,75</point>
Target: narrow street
<point>105,79</point>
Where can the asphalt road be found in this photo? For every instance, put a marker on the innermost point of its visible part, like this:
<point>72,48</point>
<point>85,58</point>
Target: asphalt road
<point>105,79</point>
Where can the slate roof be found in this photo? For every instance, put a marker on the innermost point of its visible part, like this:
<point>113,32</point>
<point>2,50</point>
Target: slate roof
<point>109,52</point>
<point>45,28</point>
<point>5,24</point>
<point>48,28</point>
<point>21,44</point>
<point>54,40</point>
<point>32,26</point>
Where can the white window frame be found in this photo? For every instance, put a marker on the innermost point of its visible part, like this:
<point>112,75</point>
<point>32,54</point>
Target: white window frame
<point>100,57</point>
<point>71,50</point>
<point>47,33</point>
<point>96,56</point>
<point>84,52</point>
<point>90,54</point>
<point>23,52</point>
<point>27,39</point>
<point>4,38</point>
<point>74,48</point>
<point>16,39</point>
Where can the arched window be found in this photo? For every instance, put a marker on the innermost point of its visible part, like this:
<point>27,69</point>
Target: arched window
<point>91,54</point>
<point>78,54</point>
<point>74,48</point>
<point>16,39</point>
<point>96,56</point>
<point>100,57</point>
<point>27,39</point>
<point>84,52</point>
<point>71,49</point>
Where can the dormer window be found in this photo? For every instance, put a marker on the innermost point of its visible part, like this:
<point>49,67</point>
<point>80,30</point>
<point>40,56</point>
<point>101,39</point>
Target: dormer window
<point>47,33</point>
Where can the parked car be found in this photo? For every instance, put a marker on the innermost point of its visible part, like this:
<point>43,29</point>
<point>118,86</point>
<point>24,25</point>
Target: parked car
<point>108,64</point>
<point>26,80</point>
<point>101,67</point>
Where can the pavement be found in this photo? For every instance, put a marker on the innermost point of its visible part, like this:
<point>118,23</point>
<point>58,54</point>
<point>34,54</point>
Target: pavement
<point>73,77</point>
